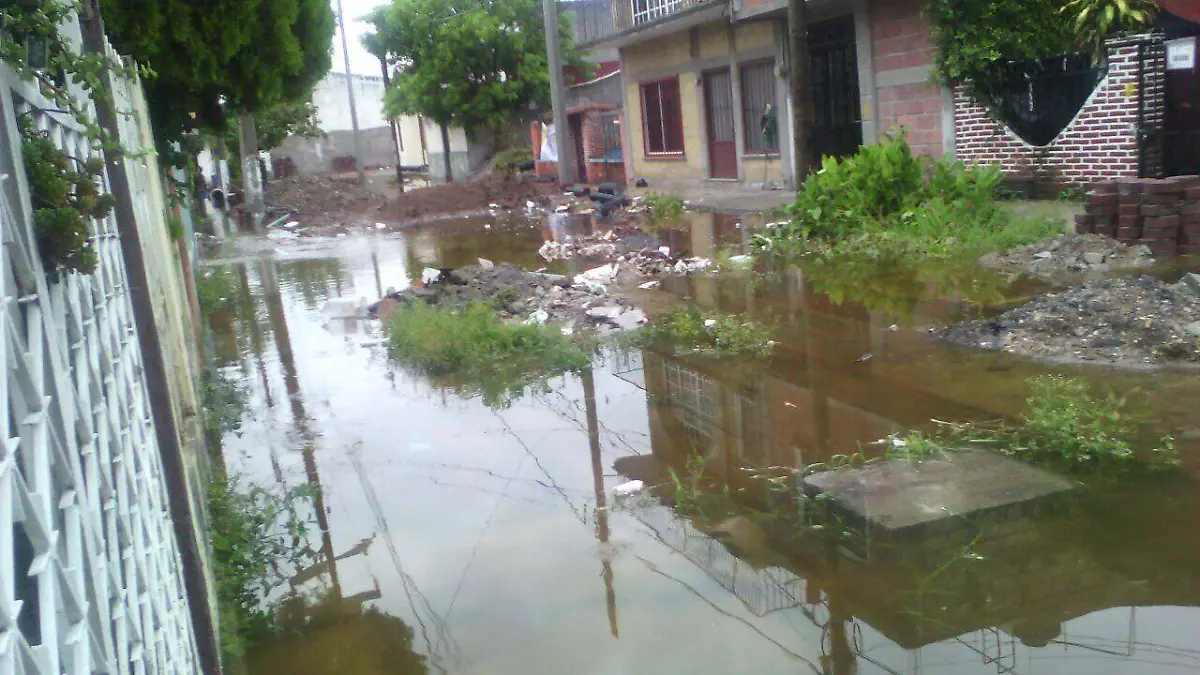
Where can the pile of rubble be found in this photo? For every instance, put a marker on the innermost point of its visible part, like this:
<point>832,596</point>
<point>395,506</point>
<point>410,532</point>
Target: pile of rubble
<point>519,295</point>
<point>1090,254</point>
<point>322,201</point>
<point>1127,321</point>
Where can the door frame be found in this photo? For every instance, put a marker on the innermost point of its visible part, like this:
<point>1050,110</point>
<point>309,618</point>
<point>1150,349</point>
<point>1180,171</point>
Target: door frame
<point>708,123</point>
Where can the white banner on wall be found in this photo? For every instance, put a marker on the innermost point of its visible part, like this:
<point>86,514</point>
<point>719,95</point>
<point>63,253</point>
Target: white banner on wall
<point>1181,54</point>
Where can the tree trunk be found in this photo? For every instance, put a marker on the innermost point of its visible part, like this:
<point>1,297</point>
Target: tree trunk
<point>801,86</point>
<point>252,187</point>
<point>387,82</point>
<point>446,152</point>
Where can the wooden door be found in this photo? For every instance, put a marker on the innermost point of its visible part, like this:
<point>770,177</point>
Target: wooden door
<point>722,142</point>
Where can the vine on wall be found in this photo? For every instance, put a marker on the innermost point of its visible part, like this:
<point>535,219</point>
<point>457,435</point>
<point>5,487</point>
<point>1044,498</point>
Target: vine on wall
<point>66,194</point>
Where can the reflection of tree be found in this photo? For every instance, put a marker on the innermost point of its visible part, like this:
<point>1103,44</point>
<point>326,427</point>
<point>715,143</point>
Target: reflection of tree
<point>314,280</point>
<point>333,636</point>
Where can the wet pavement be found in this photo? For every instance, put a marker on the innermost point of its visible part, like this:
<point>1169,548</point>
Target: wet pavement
<point>451,537</point>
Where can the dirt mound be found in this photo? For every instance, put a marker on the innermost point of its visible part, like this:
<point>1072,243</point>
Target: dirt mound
<point>1128,321</point>
<point>322,200</point>
<point>1067,254</point>
<point>465,197</point>
<point>520,295</point>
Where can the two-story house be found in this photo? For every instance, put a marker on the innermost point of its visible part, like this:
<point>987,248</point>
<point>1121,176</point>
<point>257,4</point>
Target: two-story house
<point>705,83</point>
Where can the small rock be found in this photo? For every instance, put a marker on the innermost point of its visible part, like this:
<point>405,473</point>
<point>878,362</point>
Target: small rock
<point>539,317</point>
<point>1093,258</point>
<point>709,323</point>
<point>1043,254</point>
<point>486,264</point>
<point>1193,328</point>
<point>1190,283</point>
<point>605,312</point>
<point>649,285</point>
<point>631,319</point>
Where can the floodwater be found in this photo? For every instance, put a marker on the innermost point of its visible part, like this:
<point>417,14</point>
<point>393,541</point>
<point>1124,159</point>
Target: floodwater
<point>450,537</point>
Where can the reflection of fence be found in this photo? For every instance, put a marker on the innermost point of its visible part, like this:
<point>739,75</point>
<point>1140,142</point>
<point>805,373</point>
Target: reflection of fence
<point>91,579</point>
<point>761,590</point>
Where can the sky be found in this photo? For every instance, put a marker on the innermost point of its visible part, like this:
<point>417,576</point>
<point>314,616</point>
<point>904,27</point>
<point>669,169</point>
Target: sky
<point>361,62</point>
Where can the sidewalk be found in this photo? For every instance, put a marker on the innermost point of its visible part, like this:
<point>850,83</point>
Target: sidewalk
<point>724,197</point>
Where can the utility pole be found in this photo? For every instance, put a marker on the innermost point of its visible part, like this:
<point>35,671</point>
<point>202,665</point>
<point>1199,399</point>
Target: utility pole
<point>558,95</point>
<point>154,365</point>
<point>801,87</point>
<point>252,183</point>
<point>358,162</point>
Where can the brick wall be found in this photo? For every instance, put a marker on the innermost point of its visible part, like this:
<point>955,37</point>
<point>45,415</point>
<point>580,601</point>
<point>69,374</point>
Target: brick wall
<point>1099,144</point>
<point>1162,214</point>
<point>901,45</point>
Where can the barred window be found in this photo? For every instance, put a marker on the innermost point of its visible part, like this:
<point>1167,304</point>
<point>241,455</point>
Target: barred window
<point>662,121</point>
<point>758,108</point>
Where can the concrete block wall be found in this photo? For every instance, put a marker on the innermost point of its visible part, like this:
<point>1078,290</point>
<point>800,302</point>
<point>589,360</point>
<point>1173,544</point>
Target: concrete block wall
<point>1100,144</point>
<point>907,96</point>
<point>1163,214</point>
<point>321,155</point>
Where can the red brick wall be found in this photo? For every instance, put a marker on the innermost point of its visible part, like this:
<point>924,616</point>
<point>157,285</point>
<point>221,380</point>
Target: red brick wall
<point>1099,144</point>
<point>900,39</point>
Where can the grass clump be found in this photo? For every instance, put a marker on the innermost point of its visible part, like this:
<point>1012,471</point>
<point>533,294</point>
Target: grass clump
<point>472,350</point>
<point>216,289</point>
<point>689,329</point>
<point>885,201</point>
<point>661,211</point>
<point>1065,425</point>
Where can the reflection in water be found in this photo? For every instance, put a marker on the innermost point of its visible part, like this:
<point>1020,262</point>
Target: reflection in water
<point>471,525</point>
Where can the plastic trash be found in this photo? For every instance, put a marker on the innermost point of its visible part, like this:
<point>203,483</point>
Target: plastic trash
<point>631,488</point>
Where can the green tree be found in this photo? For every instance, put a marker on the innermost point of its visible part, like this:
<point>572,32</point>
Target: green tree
<point>210,58</point>
<point>477,64</point>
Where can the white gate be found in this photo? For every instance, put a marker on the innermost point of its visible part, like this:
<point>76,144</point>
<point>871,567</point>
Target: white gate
<point>90,573</point>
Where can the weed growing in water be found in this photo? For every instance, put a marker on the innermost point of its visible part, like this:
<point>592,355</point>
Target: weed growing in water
<point>216,289</point>
<point>885,201</point>
<point>1065,426</point>
<point>253,533</point>
<point>473,351</point>
<point>661,211</point>
<point>688,329</point>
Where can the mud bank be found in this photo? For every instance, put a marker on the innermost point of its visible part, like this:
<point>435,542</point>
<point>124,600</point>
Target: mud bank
<point>1123,321</point>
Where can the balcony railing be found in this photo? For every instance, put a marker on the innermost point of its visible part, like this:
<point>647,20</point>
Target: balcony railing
<point>596,20</point>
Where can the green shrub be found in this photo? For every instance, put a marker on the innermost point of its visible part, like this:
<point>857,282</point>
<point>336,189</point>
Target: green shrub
<point>509,161</point>
<point>887,198</point>
<point>662,210</point>
<point>473,351</point>
<point>216,289</point>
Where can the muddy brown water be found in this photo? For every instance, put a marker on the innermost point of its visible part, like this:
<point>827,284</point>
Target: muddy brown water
<point>453,538</point>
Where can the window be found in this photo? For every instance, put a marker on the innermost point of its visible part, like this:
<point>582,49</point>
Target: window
<point>610,126</point>
<point>661,118</point>
<point>758,108</point>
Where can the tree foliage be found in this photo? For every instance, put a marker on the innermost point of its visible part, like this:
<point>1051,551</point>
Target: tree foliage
<point>472,63</point>
<point>209,58</point>
<point>1095,20</point>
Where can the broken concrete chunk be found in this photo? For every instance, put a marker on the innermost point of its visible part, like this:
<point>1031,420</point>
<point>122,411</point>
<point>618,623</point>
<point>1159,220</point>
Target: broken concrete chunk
<point>741,260</point>
<point>486,264</point>
<point>539,317</point>
<point>1093,258</point>
<point>631,488</point>
<point>605,274</point>
<point>1190,283</point>
<point>1043,254</point>
<point>430,275</point>
<point>631,319</point>
<point>605,312</point>
<point>649,285</point>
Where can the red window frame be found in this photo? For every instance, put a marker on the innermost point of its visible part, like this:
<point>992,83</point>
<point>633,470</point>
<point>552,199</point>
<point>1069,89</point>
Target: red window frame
<point>662,118</point>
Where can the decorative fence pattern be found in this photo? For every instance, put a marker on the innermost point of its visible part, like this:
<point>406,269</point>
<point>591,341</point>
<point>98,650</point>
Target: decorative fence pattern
<point>90,571</point>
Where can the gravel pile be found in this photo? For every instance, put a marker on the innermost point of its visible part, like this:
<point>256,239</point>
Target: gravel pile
<point>1127,321</point>
<point>1070,253</point>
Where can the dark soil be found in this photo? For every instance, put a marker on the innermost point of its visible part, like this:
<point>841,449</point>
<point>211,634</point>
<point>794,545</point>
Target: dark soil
<point>470,196</point>
<point>1086,254</point>
<point>323,201</point>
<point>520,295</point>
<point>1124,321</point>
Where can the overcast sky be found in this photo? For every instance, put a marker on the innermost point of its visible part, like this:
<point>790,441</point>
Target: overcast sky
<point>360,61</point>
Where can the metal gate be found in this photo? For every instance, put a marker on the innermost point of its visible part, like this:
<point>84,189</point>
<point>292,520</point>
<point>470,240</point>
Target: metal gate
<point>837,103</point>
<point>90,572</point>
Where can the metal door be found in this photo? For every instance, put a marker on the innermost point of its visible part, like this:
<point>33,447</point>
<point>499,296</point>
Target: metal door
<point>722,142</point>
<point>837,106</point>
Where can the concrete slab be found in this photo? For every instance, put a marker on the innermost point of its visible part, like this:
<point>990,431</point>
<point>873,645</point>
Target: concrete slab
<point>898,495</point>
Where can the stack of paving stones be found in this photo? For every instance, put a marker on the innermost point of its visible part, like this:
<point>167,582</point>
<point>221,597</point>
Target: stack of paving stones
<point>1163,214</point>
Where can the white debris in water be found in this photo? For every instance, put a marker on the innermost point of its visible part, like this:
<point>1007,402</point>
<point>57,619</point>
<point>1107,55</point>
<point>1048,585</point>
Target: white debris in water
<point>487,226</point>
<point>607,312</point>
<point>562,208</point>
<point>493,206</point>
<point>776,224</point>
<point>631,488</point>
<point>665,250</point>
<point>531,206</point>
<point>291,225</point>
<point>281,235</point>
<point>709,323</point>
<point>741,260</point>
<point>430,275</point>
<point>486,264</point>
<point>605,274</point>
<point>649,285</point>
<point>380,226</point>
